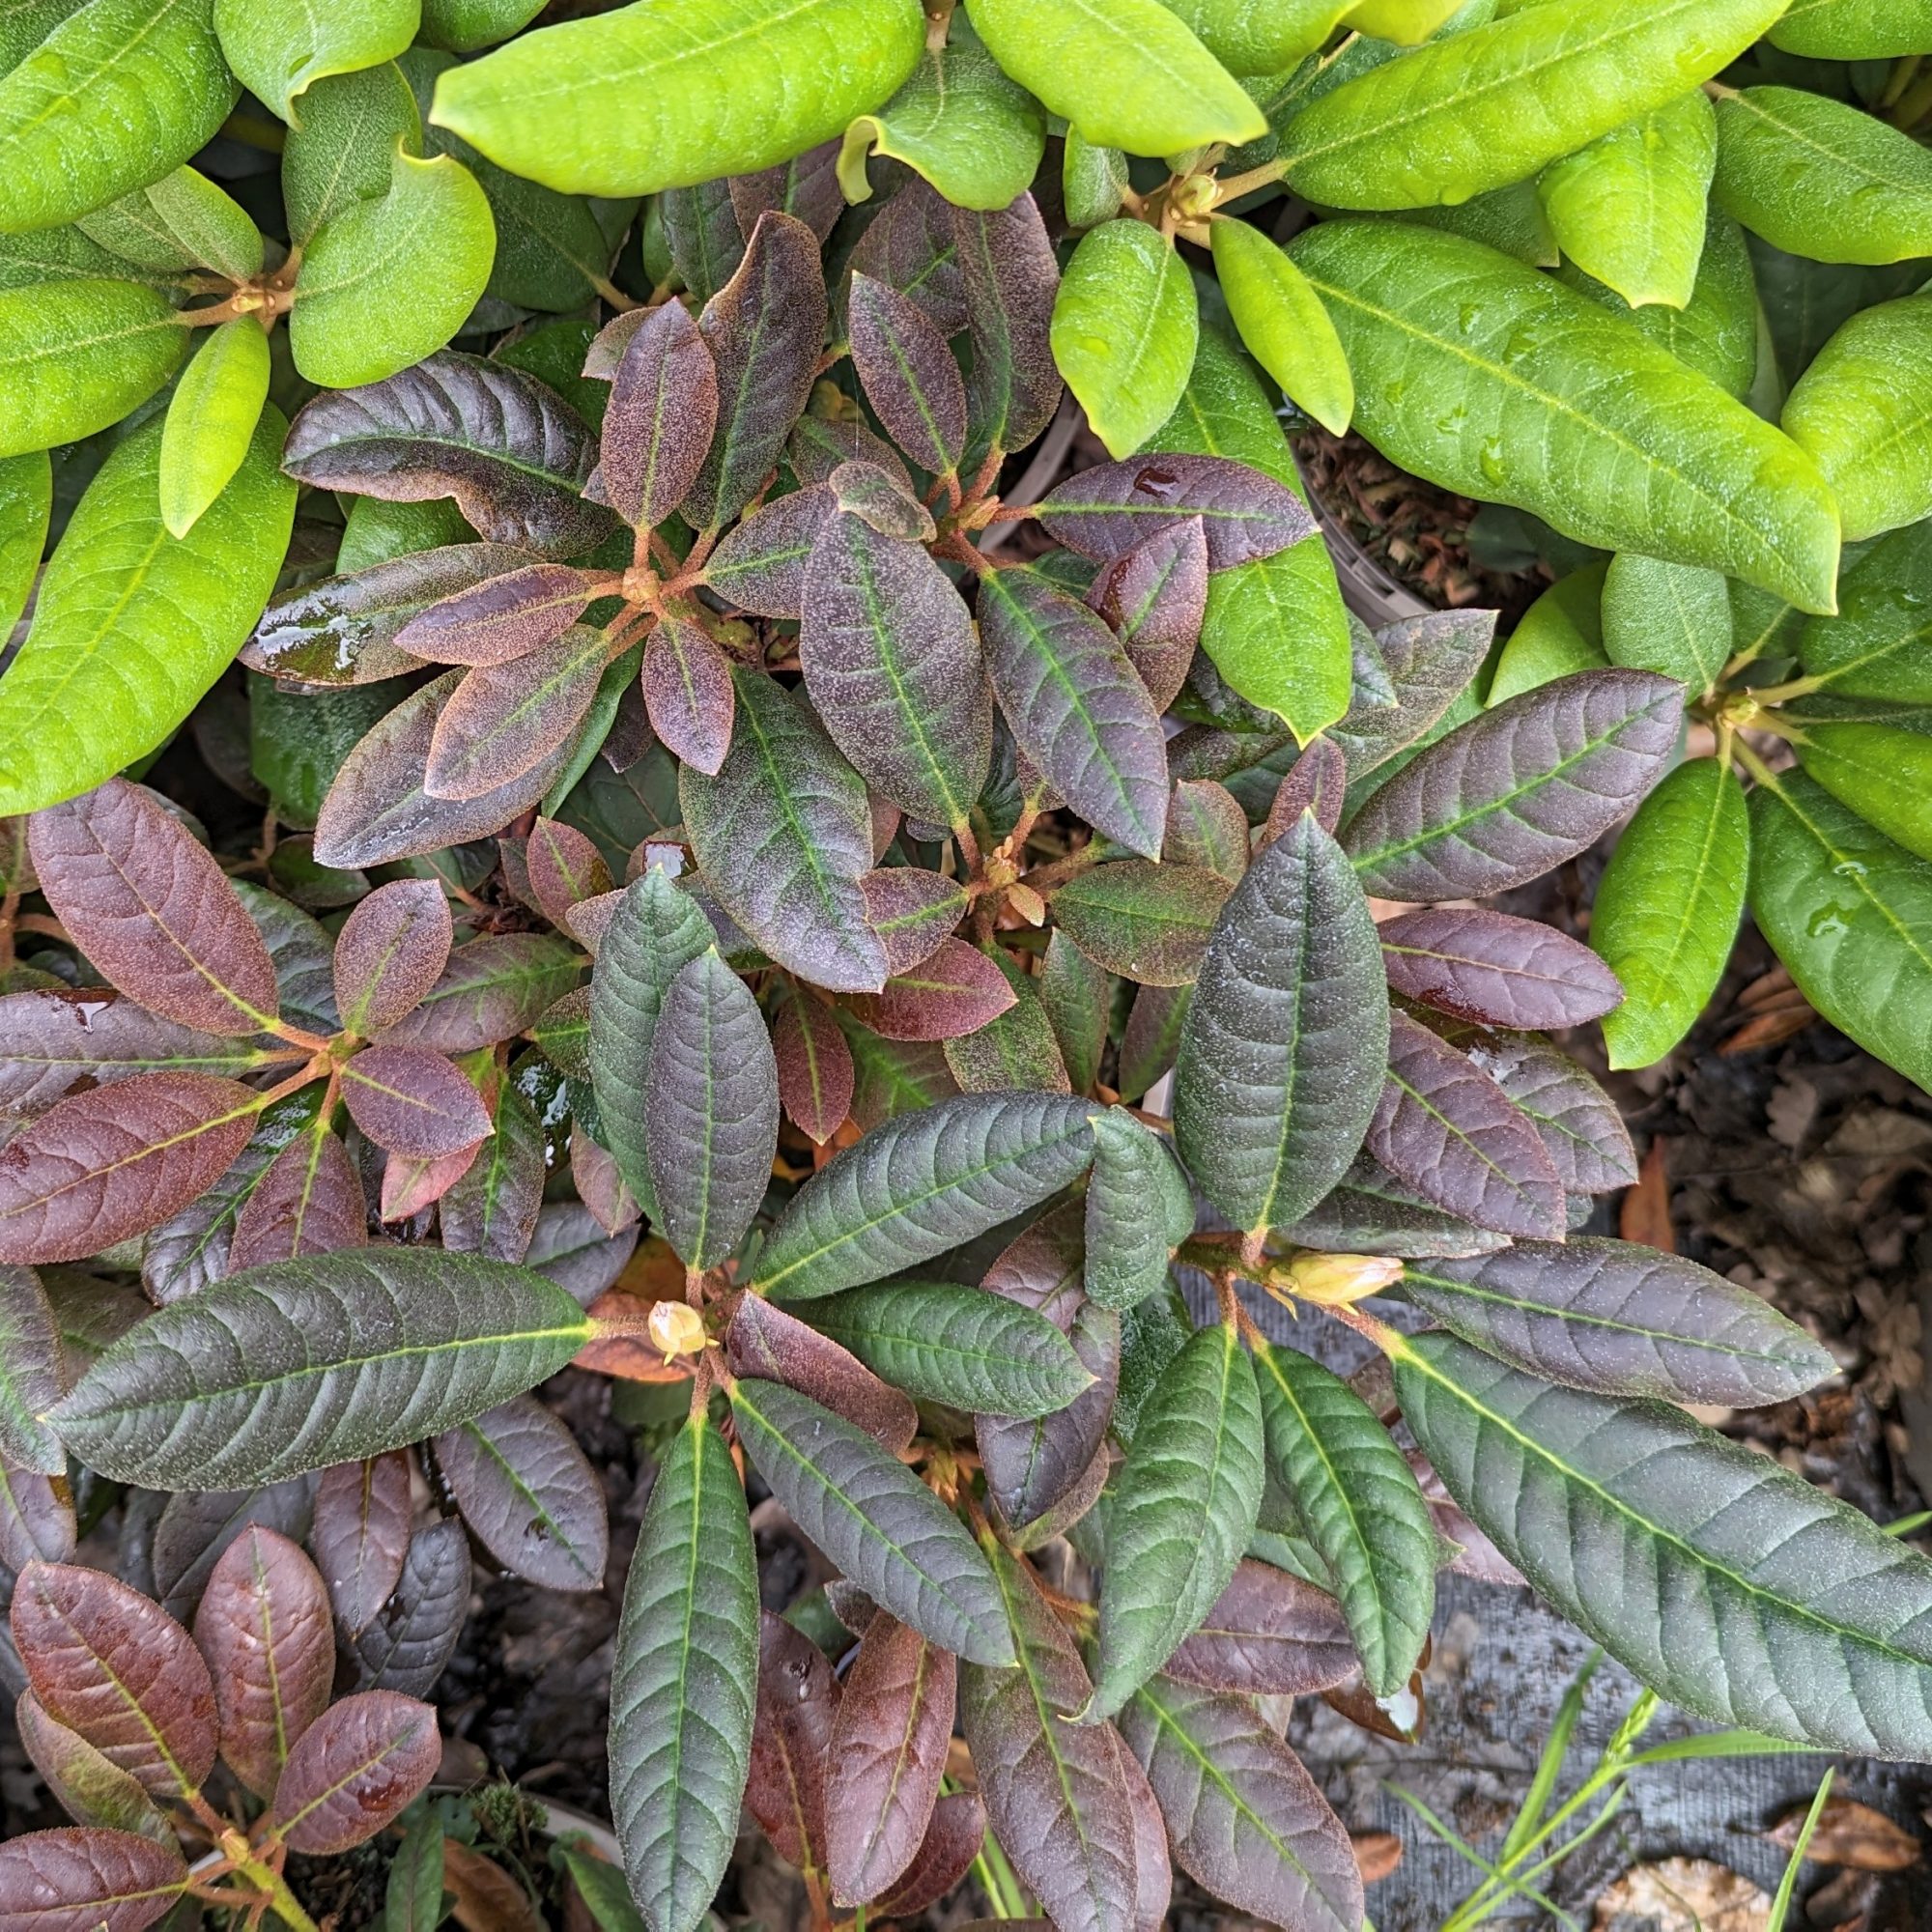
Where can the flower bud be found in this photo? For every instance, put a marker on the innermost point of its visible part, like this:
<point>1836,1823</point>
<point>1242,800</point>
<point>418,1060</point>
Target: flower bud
<point>1335,1281</point>
<point>676,1328</point>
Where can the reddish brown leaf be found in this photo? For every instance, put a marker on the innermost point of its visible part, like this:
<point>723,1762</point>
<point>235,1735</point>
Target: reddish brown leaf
<point>529,1495</point>
<point>36,1517</point>
<point>600,1186</point>
<point>1154,598</point>
<point>912,911</point>
<point>353,1769</point>
<point>361,1534</point>
<point>90,1789</point>
<point>1444,1127</point>
<point>1205,826</point>
<point>1851,1833</point>
<point>764,329</point>
<point>807,187</point>
<point>759,563</point>
<point>952,1841</point>
<point>1316,782</point>
<point>153,911</point>
<point>1270,1635</point>
<point>505,719</point>
<point>910,248</point>
<point>263,1626</point>
<point>798,1701</point>
<point>815,1073</point>
<point>1106,511</point>
<point>1154,1872</point>
<point>410,1185</point>
<point>687,683</point>
<point>1644,1213</point>
<point>309,1202</point>
<point>888,1753</point>
<point>391,949</point>
<point>819,444</point>
<point>1376,1854</point>
<point>765,1342</point>
<point>957,991</point>
<point>115,1667</point>
<point>83,1879</point>
<point>118,1160</point>
<point>488,1899</point>
<point>664,406</point>
<point>492,988</point>
<point>503,618</point>
<point>1008,279</point>
<point>565,867</point>
<point>412,1101</point>
<point>908,374</point>
<point>1484,966</point>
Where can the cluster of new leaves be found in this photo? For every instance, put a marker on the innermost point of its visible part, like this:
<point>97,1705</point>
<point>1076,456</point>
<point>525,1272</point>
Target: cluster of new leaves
<point>137,1726</point>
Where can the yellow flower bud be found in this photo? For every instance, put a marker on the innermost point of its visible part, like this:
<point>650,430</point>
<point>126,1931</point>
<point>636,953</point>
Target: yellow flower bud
<point>676,1328</point>
<point>1336,1281</point>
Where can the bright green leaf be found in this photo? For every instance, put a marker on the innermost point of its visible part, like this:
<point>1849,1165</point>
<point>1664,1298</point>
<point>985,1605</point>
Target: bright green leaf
<point>1488,377</point>
<point>1877,645</point>
<point>118,94</point>
<point>210,420</point>
<point>339,149</point>
<point>1560,633</point>
<point>1283,322</point>
<point>675,91</point>
<point>1260,37</point>
<point>464,26</point>
<point>1884,774</point>
<point>26,504</point>
<point>1668,906</point>
<point>1630,209</point>
<point>181,221</point>
<point>961,124</point>
<point>134,625</point>
<point>1854,29</point>
<point>76,356</point>
<point>278,49</point>
<point>386,282</point>
<point>1126,72</point>
<point>1668,617</point>
<point>1864,410</point>
<point>1125,328</point>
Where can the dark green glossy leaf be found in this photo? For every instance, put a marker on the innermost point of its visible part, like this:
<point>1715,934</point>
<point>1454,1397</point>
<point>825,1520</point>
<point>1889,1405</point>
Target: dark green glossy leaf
<point>683,1685</point>
<point>942,1341</point>
<point>874,1518</point>
<point>784,835</point>
<point>711,1110</point>
<point>1184,1510</point>
<point>1286,1041</point>
<point>326,1359</point>
<point>30,1375</point>
<point>1140,1208</point>
<point>923,1183</point>
<point>1748,1596</point>
<point>1359,1506</point>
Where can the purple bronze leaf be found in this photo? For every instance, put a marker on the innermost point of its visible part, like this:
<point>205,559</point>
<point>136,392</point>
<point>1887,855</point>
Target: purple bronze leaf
<point>764,329</point>
<point>895,670</point>
<point>1485,966</point>
<point>908,374</point>
<point>1518,789</point>
<point>359,1764</point>
<point>1106,511</point>
<point>412,1101</point>
<point>1269,1634</point>
<point>529,1495</point>
<point>687,681</point>
<point>509,448</point>
<point>957,989</point>
<point>113,1162</point>
<point>1008,279</point>
<point>376,809</point>
<point>1077,707</point>
<point>881,496</point>
<point>408,1644</point>
<point>153,911</point>
<point>806,185</point>
<point>1448,1130</point>
<point>815,1072</point>
<point>817,445</point>
<point>759,563</point>
<point>504,720</point>
<point>492,988</point>
<point>361,1534</point>
<point>500,618</point>
<point>913,912</point>
<point>1581,1129</point>
<point>663,408</point>
<point>798,1702</point>
<point>910,246</point>
<point>391,951</point>
<point>1154,598</point>
<point>308,1201</point>
<point>344,628</point>
<point>89,1879</point>
<point>1407,676</point>
<point>952,1842</point>
<point>766,1342</point>
<point>1317,781</point>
